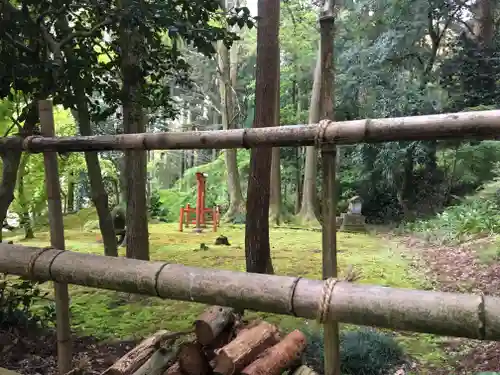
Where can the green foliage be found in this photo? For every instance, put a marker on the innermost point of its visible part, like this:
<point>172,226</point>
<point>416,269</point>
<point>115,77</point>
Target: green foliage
<point>476,215</point>
<point>156,208</point>
<point>362,352</point>
<point>185,189</point>
<point>17,304</point>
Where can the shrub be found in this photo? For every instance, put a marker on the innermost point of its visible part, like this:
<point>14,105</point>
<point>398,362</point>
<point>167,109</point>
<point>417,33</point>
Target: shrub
<point>19,304</point>
<point>458,223</point>
<point>362,352</point>
<point>156,207</point>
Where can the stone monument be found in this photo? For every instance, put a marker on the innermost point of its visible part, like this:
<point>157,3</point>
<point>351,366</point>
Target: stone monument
<point>353,220</point>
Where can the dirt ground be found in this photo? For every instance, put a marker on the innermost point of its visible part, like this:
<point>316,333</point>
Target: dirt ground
<point>34,353</point>
<point>458,269</point>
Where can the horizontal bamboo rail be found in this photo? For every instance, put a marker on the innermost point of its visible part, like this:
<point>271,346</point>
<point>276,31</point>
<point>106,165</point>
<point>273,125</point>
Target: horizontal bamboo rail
<point>471,125</point>
<point>450,314</point>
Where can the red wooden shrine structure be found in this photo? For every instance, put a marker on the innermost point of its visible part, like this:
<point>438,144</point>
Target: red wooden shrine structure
<point>200,215</point>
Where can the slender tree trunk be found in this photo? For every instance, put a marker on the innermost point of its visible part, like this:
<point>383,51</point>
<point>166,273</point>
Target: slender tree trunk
<point>298,181</point>
<point>228,72</point>
<point>23,202</point>
<point>116,190</point>
<point>257,248</point>
<point>137,240</point>
<point>275,187</point>
<point>11,160</point>
<point>307,214</point>
<point>298,152</point>
<point>70,206</point>
<point>98,192</point>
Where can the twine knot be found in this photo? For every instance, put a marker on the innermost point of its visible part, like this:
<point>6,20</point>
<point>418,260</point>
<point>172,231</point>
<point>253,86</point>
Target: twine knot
<point>350,275</point>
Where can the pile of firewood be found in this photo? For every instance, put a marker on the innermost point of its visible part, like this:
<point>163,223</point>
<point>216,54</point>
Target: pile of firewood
<point>220,343</point>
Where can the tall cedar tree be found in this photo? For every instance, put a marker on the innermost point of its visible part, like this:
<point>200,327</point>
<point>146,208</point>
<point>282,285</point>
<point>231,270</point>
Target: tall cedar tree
<point>257,248</point>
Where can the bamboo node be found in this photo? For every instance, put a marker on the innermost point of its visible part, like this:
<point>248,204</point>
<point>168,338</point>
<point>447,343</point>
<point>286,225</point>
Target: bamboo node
<point>157,276</point>
<point>27,142</point>
<point>326,295</point>
<point>34,257</point>
<point>291,309</point>
<point>244,142</point>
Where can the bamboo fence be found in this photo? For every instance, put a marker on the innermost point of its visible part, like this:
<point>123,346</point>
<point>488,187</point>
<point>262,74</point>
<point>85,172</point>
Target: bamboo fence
<point>331,346</point>
<point>53,187</point>
<point>471,125</point>
<point>450,314</point>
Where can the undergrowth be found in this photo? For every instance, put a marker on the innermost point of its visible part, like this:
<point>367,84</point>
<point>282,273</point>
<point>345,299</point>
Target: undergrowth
<point>475,216</point>
<point>362,352</point>
<point>20,304</point>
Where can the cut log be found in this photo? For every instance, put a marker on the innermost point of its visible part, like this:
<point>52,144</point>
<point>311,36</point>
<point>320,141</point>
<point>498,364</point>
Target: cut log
<point>279,357</point>
<point>304,370</point>
<point>175,369</point>
<point>243,350</point>
<point>243,327</point>
<point>135,358</point>
<point>220,341</point>
<point>157,364</point>
<point>192,360</point>
<point>212,322</point>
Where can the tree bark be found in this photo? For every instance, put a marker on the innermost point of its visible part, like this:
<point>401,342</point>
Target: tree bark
<point>298,152</point>
<point>212,322</point>
<point>21,195</point>
<point>279,357</point>
<point>98,192</point>
<point>135,161</point>
<point>228,73</point>
<point>275,184</point>
<point>134,359</point>
<point>192,360</point>
<point>11,160</point>
<point>257,248</point>
<point>245,348</point>
<point>70,206</point>
<point>307,214</point>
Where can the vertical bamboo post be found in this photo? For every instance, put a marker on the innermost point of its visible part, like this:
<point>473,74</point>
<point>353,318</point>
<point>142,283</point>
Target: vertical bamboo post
<point>328,158</point>
<point>64,349</point>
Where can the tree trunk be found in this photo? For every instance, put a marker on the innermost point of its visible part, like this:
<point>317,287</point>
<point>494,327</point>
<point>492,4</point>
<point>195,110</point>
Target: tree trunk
<point>228,72</point>
<point>275,192</point>
<point>257,248</point>
<point>98,192</point>
<point>299,151</point>
<point>307,214</point>
<point>135,161</point>
<point>484,25</point>
<point>11,160</point>
<point>70,205</point>
<point>21,196</point>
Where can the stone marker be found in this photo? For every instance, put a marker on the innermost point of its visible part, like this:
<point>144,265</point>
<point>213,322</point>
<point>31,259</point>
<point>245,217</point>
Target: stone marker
<point>353,220</point>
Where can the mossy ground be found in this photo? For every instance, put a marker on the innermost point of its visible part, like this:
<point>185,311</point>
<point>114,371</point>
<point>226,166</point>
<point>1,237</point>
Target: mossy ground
<point>108,314</point>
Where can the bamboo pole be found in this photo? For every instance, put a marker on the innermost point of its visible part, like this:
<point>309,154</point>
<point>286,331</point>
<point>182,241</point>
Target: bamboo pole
<point>64,349</point>
<point>473,125</point>
<point>328,160</point>
<point>448,314</point>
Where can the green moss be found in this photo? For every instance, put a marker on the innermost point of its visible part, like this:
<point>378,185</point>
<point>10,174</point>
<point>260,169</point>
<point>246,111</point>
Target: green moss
<point>294,252</point>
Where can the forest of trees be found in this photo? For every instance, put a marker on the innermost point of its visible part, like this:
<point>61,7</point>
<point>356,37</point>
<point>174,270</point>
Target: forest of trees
<point>123,67</point>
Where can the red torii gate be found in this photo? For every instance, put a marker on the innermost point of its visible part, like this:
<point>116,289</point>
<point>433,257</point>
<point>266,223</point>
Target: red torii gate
<point>200,210</point>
